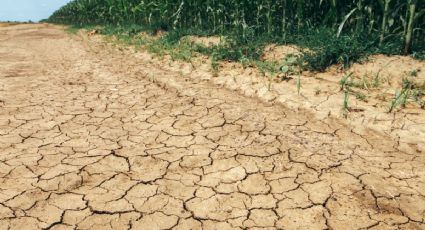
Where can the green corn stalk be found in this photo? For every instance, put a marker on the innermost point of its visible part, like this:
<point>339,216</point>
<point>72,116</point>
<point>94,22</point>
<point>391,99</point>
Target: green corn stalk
<point>409,32</point>
<point>269,17</point>
<point>384,20</point>
<point>276,18</point>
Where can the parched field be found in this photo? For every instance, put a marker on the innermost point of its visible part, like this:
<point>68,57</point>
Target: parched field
<point>93,137</point>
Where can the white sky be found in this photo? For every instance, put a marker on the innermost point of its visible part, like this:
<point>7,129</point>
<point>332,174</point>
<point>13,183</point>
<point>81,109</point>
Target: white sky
<point>24,10</point>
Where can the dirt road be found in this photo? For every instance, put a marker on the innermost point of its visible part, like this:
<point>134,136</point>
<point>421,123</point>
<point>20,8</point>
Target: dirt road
<point>96,138</point>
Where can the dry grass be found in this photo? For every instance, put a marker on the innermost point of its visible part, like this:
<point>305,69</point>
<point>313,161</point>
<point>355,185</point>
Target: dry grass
<point>6,24</point>
<point>204,41</point>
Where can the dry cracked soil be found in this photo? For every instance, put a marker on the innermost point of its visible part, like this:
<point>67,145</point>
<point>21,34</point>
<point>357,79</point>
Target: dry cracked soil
<point>95,138</point>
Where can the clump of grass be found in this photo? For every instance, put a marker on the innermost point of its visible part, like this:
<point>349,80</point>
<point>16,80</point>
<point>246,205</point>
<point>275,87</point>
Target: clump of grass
<point>361,96</point>
<point>268,69</point>
<point>347,84</point>
<point>326,49</point>
<point>376,80</point>
<point>408,92</point>
<point>72,29</point>
<point>420,55</point>
<point>215,65</point>
<point>346,81</point>
<point>414,73</point>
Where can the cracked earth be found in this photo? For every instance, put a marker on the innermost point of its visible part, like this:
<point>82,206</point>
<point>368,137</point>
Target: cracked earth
<point>94,138</point>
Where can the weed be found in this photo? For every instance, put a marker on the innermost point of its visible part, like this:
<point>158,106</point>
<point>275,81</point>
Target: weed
<point>376,80</point>
<point>346,85</point>
<point>399,99</point>
<point>183,52</point>
<point>408,92</point>
<point>291,65</point>
<point>269,69</point>
<point>346,81</point>
<point>215,64</point>
<point>326,50</point>
<point>346,106</point>
<point>299,84</point>
<point>419,55</point>
<point>360,96</point>
<point>414,73</point>
<point>72,29</point>
<point>366,82</point>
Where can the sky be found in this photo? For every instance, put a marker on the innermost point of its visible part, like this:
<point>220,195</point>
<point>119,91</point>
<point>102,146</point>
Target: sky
<point>25,10</point>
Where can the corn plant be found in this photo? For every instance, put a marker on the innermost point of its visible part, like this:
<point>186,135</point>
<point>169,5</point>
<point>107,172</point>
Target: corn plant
<point>393,20</point>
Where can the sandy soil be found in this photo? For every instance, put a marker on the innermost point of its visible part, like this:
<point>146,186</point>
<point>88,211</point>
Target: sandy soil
<point>93,137</point>
<point>276,53</point>
<point>5,24</point>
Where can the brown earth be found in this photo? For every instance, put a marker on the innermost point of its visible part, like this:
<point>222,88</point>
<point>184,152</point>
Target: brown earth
<point>205,41</point>
<point>321,93</point>
<point>277,53</point>
<point>6,24</point>
<point>93,137</point>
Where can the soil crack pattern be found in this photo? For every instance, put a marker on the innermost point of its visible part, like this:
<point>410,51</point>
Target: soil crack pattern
<point>93,137</point>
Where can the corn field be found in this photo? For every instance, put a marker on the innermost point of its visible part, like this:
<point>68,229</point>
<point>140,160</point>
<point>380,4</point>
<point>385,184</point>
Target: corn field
<point>390,19</point>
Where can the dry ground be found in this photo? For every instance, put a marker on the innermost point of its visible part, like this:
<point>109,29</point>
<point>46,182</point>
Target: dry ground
<point>376,82</point>
<point>6,24</point>
<point>96,138</point>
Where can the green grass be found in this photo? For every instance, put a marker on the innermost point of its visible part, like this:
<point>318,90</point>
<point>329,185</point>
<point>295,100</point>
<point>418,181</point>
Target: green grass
<point>72,29</point>
<point>420,55</point>
<point>408,93</point>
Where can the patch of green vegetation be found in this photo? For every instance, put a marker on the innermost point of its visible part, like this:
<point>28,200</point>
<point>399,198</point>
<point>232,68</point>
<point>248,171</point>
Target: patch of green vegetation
<point>414,73</point>
<point>408,93</point>
<point>334,32</point>
<point>327,50</point>
<point>348,85</point>
<point>322,47</point>
<point>419,55</point>
<point>345,104</point>
<point>73,29</point>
